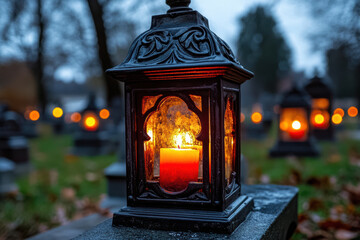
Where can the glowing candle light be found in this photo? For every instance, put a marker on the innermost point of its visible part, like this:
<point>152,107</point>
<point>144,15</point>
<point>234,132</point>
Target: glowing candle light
<point>91,122</point>
<point>57,112</point>
<point>34,115</point>
<point>296,131</point>
<point>336,119</point>
<point>256,117</point>
<point>178,166</point>
<point>104,114</point>
<point>353,111</point>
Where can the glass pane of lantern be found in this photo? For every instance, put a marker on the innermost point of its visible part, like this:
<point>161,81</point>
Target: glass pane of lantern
<point>173,155</point>
<point>320,117</point>
<point>320,103</point>
<point>229,141</point>
<point>293,124</point>
<point>197,101</point>
<point>149,102</point>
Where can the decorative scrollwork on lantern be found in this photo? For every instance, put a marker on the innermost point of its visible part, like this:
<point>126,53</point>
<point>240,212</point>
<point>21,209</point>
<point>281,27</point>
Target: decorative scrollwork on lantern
<point>179,46</point>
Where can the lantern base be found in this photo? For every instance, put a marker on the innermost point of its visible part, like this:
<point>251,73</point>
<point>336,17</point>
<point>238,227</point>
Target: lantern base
<point>186,220</point>
<point>91,144</point>
<point>301,149</point>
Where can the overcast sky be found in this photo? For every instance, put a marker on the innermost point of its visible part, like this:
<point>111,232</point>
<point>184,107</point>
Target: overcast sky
<point>293,18</point>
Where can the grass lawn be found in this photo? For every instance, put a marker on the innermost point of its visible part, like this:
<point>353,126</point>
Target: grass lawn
<point>61,188</point>
<point>64,187</point>
<point>329,190</point>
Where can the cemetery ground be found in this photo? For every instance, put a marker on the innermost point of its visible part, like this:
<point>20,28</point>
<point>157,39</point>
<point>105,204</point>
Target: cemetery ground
<point>63,187</point>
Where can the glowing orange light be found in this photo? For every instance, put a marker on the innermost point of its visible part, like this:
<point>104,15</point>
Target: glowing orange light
<point>319,118</point>
<point>353,111</point>
<point>339,111</point>
<point>104,114</point>
<point>34,115</point>
<point>256,117</point>
<point>336,118</point>
<point>296,125</point>
<point>91,122</point>
<point>284,125</point>
<point>75,117</point>
<point>242,117</point>
<point>57,112</point>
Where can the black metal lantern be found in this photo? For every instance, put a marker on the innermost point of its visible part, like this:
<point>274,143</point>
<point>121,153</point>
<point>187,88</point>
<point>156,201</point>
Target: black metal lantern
<point>295,136</point>
<point>182,86</point>
<point>91,139</point>
<point>320,117</point>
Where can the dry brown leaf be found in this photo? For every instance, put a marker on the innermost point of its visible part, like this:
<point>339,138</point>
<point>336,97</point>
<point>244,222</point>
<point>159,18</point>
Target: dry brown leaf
<point>68,194</point>
<point>345,234</point>
<point>334,224</point>
<point>353,193</point>
<point>315,204</point>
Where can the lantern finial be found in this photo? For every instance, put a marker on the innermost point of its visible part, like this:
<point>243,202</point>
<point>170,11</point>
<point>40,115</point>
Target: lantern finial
<point>178,5</point>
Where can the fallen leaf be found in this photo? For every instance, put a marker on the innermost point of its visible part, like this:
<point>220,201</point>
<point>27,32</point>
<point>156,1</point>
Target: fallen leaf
<point>334,224</point>
<point>68,194</point>
<point>345,234</point>
<point>315,204</point>
<point>353,193</point>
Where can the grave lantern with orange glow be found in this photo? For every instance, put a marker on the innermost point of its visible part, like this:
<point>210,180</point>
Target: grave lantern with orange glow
<point>320,117</point>
<point>295,136</point>
<point>92,139</point>
<point>182,90</point>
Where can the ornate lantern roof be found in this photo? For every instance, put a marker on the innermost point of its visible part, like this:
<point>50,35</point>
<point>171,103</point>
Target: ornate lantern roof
<point>180,44</point>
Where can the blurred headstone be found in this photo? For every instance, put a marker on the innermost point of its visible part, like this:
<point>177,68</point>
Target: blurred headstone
<point>13,144</point>
<point>7,177</point>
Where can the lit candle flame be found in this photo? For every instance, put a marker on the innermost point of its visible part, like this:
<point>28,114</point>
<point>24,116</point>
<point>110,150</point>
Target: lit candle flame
<point>319,118</point>
<point>296,125</point>
<point>178,141</point>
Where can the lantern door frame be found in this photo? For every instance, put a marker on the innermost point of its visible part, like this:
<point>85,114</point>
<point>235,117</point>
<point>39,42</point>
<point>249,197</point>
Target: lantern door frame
<point>215,94</point>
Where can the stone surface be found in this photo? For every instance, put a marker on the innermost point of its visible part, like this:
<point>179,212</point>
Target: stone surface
<point>72,229</point>
<point>273,217</point>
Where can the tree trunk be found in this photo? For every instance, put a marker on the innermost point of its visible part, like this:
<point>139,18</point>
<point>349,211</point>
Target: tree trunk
<point>112,86</point>
<point>39,65</point>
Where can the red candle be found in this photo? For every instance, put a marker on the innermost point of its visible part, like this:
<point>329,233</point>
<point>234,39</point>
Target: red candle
<point>296,131</point>
<point>178,167</point>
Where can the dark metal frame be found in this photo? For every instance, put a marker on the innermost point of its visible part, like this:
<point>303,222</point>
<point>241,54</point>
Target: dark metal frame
<point>214,93</point>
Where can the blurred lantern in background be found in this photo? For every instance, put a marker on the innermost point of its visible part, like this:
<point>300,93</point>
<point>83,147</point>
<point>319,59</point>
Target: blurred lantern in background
<point>321,107</point>
<point>34,115</point>
<point>75,117</point>
<point>337,118</point>
<point>339,111</point>
<point>91,139</point>
<point>104,114</point>
<point>57,112</point>
<point>353,111</point>
<point>256,117</point>
<point>294,132</point>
